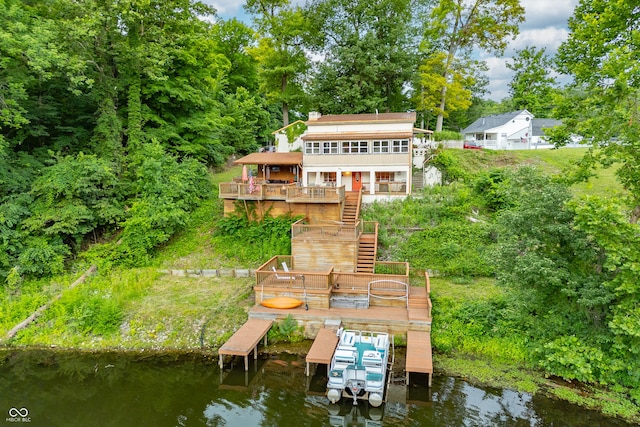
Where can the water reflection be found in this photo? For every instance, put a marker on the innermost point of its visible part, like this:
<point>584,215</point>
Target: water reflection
<point>109,389</point>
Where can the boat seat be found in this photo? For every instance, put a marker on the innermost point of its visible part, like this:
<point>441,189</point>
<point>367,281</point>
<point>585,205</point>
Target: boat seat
<point>349,338</point>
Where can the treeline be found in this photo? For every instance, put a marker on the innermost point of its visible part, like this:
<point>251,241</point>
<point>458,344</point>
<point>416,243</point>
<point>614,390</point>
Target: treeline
<point>111,113</point>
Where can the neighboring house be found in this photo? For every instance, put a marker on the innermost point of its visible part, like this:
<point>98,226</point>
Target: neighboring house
<point>368,152</point>
<point>509,131</point>
<point>288,137</point>
<point>538,138</point>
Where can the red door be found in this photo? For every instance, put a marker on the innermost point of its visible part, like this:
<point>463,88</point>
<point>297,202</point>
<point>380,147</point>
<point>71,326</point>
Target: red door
<point>356,181</point>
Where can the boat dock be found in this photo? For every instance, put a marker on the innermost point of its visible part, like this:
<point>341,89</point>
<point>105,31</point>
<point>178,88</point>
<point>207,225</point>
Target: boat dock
<point>419,356</point>
<point>245,340</point>
<point>322,349</point>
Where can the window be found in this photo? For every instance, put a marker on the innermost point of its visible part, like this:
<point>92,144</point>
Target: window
<point>330,178</point>
<point>384,176</point>
<point>401,146</point>
<point>353,147</point>
<point>312,148</point>
<point>330,147</point>
<point>381,146</point>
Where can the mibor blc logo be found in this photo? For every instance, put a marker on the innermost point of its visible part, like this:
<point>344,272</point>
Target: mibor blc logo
<point>18,415</point>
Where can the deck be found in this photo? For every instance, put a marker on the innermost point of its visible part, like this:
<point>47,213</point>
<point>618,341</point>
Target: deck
<point>419,356</point>
<point>322,349</point>
<point>245,340</point>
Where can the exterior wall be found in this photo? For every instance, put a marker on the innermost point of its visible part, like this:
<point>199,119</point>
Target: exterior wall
<point>400,159</point>
<point>314,212</point>
<point>321,254</point>
<point>513,135</point>
<point>314,128</point>
<point>283,145</point>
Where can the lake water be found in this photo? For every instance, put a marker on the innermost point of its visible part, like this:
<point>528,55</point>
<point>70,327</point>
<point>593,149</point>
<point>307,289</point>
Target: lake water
<point>53,388</point>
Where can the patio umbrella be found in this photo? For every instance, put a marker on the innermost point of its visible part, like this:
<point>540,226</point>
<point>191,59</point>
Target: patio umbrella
<point>245,176</point>
<point>318,178</point>
<point>268,175</point>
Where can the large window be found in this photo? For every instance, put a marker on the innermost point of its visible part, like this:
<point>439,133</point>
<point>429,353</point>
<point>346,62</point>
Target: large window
<point>312,148</point>
<point>355,147</point>
<point>330,147</point>
<point>384,176</point>
<point>381,146</point>
<point>330,178</point>
<point>400,146</point>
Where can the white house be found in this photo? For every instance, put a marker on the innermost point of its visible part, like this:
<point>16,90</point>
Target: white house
<point>509,131</point>
<point>287,138</point>
<point>368,152</point>
<point>538,139</point>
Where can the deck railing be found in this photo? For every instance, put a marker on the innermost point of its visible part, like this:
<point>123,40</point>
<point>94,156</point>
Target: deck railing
<point>326,229</point>
<point>318,193</point>
<point>293,279</point>
<point>289,192</point>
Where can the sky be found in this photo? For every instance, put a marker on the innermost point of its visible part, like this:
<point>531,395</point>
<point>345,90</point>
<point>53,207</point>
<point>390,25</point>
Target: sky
<point>545,26</point>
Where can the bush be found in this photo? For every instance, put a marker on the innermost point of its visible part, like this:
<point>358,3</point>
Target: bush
<point>447,135</point>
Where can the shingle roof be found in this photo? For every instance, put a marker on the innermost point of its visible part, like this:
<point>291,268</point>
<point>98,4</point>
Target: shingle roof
<point>539,124</point>
<point>490,122</point>
<point>356,136</point>
<point>364,118</point>
<point>268,158</point>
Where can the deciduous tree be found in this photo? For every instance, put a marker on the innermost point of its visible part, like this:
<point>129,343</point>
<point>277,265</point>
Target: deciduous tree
<point>532,86</point>
<point>368,55</point>
<point>602,54</point>
<point>457,26</point>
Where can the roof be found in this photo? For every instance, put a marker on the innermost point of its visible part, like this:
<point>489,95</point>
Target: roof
<point>539,124</point>
<point>490,122</point>
<point>287,126</point>
<point>409,117</point>
<point>419,130</point>
<point>355,136</point>
<point>267,158</point>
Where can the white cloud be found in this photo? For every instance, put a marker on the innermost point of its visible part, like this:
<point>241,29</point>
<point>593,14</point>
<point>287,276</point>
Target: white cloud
<point>543,13</point>
<point>545,27</point>
<point>226,8</point>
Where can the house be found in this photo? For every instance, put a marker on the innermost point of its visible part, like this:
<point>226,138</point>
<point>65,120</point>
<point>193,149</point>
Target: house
<point>344,159</point>
<point>509,131</point>
<point>538,138</point>
<point>371,153</point>
<point>287,138</point>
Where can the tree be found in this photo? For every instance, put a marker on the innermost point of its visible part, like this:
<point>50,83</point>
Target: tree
<point>459,81</point>
<point>602,105</point>
<point>532,86</point>
<point>368,55</point>
<point>457,26</point>
<point>281,53</point>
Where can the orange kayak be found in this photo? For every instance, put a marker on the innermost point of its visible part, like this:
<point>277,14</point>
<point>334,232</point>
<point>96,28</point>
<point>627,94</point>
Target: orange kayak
<point>282,302</point>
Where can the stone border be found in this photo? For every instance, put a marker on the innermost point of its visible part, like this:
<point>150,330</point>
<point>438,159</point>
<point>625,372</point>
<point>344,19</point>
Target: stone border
<point>221,272</point>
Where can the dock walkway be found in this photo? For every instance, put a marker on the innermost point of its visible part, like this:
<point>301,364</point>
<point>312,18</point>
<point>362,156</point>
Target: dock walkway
<point>322,349</point>
<point>419,357</point>
<point>245,340</point>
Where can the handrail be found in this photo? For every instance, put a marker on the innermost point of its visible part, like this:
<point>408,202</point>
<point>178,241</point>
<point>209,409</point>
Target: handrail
<point>359,203</point>
<point>405,296</point>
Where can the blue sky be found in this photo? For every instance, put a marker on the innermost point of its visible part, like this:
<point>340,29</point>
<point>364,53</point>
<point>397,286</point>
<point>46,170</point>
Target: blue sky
<point>545,26</point>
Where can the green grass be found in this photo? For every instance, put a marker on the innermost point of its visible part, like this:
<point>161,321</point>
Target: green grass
<point>552,161</point>
<point>603,184</point>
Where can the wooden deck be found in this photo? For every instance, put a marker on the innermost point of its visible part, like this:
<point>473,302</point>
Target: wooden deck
<point>419,357</point>
<point>322,349</point>
<point>245,340</point>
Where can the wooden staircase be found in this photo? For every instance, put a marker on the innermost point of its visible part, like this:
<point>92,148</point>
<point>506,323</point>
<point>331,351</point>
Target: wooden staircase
<point>350,211</point>
<point>366,253</point>
<point>418,298</point>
